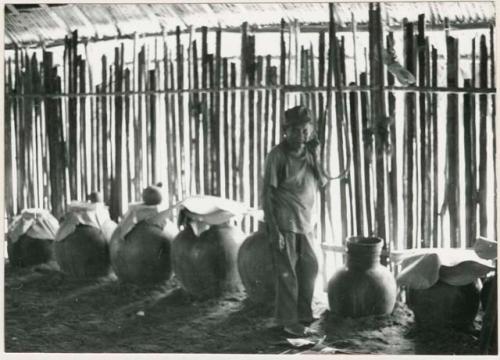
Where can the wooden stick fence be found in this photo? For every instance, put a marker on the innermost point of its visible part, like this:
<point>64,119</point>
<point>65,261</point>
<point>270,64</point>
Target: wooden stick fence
<point>199,122</point>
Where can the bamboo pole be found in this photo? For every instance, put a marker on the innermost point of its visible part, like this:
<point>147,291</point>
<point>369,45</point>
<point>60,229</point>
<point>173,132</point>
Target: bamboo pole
<point>180,104</point>
<point>452,178</point>
<point>211,126</point>
<point>217,113</point>
<point>8,141</point>
<point>243,116</point>
<point>356,164</point>
<point>128,136</point>
<point>226,130</point>
<point>267,109</point>
<point>469,155</point>
<point>177,190</point>
<point>483,128</point>
<point>116,209</point>
<point>26,133</point>
<point>197,121</point>
<point>84,125</point>
<point>379,122</point>
<point>259,168</point>
<point>335,70</point>
<point>493,127</point>
<point>435,219</point>
<point>366,160</point>
<point>105,133</point>
<point>409,140</point>
<point>250,68</point>
<point>204,99</point>
<point>423,124</point>
<point>233,135</point>
<point>392,175</point>
<point>282,80</point>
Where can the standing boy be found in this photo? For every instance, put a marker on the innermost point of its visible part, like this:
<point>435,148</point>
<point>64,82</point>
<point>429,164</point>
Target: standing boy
<point>292,178</point>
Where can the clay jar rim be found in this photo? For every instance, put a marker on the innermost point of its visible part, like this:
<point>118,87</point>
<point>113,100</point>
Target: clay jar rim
<point>365,243</point>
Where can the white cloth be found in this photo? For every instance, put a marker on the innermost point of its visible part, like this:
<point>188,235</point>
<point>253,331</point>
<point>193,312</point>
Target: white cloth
<point>91,214</point>
<point>152,214</point>
<point>206,210</point>
<point>36,223</point>
<point>452,266</point>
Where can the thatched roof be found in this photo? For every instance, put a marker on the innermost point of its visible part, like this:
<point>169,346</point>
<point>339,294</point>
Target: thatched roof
<point>32,24</point>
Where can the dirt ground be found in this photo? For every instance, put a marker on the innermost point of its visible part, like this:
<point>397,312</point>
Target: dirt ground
<point>47,312</point>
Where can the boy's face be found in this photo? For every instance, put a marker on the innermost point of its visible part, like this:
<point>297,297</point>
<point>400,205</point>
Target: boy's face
<point>298,135</point>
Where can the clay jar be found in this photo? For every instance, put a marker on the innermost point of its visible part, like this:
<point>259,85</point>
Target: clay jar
<point>255,267</point>
<point>363,287</point>
<point>84,253</point>
<point>445,305</point>
<point>206,264</point>
<point>28,251</point>
<point>143,256</point>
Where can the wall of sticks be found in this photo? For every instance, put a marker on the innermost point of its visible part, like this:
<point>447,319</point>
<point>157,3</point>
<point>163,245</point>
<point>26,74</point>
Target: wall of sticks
<point>415,163</point>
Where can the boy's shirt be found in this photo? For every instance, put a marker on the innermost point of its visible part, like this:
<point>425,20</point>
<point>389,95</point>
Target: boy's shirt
<point>296,184</point>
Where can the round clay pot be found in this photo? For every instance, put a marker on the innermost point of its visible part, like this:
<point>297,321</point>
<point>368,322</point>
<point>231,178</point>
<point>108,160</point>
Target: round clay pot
<point>206,265</point>
<point>445,305</point>
<point>363,287</point>
<point>255,266</point>
<point>143,256</point>
<point>84,253</point>
<point>28,251</point>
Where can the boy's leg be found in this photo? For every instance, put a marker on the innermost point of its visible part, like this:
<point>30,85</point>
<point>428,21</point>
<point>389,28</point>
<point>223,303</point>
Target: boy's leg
<point>307,271</point>
<point>286,282</point>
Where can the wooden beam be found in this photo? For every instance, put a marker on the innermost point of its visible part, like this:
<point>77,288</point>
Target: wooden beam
<point>254,29</point>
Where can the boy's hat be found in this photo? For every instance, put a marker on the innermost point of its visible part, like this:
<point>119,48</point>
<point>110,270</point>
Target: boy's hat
<point>298,115</point>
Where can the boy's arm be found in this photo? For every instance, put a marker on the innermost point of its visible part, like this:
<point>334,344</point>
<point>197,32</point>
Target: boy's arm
<point>270,184</point>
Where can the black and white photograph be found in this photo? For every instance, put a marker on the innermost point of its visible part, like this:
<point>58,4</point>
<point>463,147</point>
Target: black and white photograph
<point>281,178</point>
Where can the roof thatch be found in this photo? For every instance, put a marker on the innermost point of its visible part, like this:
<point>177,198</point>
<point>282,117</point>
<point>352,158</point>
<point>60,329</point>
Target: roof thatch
<point>28,25</point>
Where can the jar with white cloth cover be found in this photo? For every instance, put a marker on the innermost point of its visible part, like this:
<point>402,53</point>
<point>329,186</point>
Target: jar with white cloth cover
<point>82,242</point>
<point>204,253</point>
<point>443,285</point>
<point>30,237</point>
<point>140,245</point>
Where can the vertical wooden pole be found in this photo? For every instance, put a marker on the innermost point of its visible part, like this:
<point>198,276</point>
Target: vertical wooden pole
<point>8,152</point>
<point>379,120</point>
<point>452,180</point>
<point>392,175</point>
<point>469,155</point>
<point>233,134</point>
<point>195,110</point>
<point>282,77</point>
<point>483,128</point>
<point>493,128</point>
<point>250,68</point>
<point>434,170</point>
<point>424,183</point>
<point>205,119</point>
<point>409,141</point>
<point>217,171</point>
<point>226,136</point>
<point>335,70</point>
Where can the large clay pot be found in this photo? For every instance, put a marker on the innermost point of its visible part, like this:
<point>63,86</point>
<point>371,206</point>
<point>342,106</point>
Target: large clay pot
<point>143,256</point>
<point>84,253</point>
<point>206,265</point>
<point>255,266</point>
<point>445,305</point>
<point>363,287</point>
<point>28,251</point>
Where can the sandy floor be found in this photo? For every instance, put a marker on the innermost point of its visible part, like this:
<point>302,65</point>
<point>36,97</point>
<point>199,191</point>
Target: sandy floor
<point>46,312</point>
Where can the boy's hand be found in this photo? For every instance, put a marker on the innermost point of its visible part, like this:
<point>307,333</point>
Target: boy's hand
<point>277,236</point>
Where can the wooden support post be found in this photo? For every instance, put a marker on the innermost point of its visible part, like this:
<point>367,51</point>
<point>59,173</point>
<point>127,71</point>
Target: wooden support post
<point>452,178</point>
<point>483,129</point>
